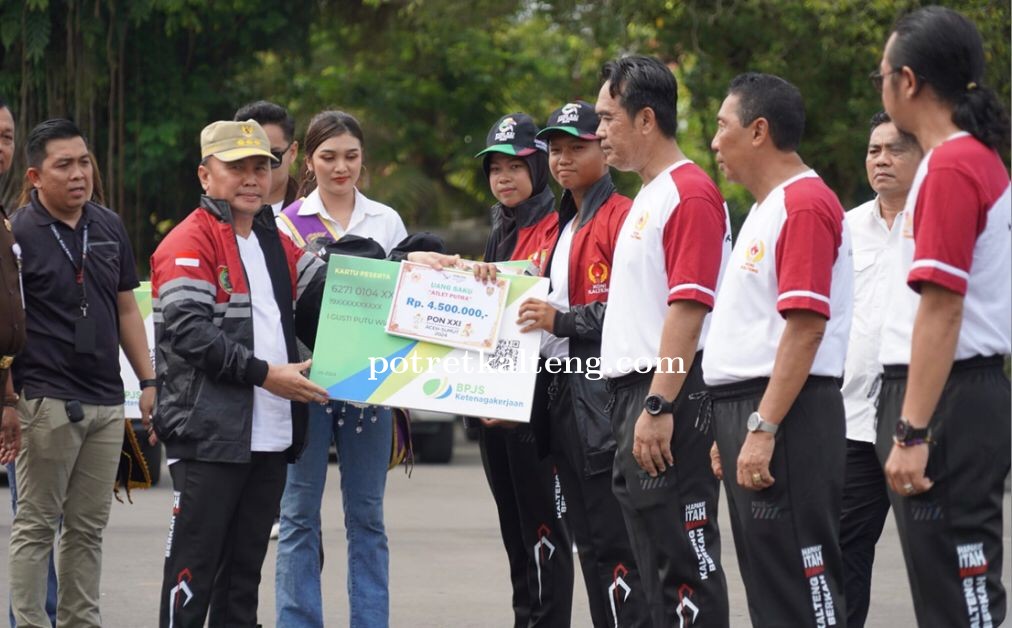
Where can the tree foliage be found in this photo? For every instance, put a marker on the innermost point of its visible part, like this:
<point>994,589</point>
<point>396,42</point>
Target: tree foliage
<point>426,78</point>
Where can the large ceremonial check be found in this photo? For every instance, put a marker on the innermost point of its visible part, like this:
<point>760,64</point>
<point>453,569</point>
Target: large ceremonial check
<point>357,360</point>
<point>447,307</point>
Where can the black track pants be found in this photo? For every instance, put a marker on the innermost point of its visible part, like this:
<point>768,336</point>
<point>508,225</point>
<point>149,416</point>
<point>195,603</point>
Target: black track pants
<point>672,519</point>
<point>538,546</point>
<point>221,523</point>
<point>593,517</point>
<point>952,534</point>
<point>787,536</point>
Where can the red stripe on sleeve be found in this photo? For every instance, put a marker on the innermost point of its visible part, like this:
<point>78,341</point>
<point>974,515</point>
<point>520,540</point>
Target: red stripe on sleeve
<point>949,216</point>
<point>693,241</point>
<point>806,250</point>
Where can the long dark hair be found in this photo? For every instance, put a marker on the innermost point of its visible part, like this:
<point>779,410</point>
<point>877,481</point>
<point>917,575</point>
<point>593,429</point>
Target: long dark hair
<point>322,127</point>
<point>943,49</point>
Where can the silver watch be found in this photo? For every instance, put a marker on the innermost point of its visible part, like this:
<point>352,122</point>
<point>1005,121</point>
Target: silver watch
<point>757,424</point>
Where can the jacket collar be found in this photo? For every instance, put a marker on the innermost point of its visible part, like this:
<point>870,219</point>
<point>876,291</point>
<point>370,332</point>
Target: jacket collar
<point>223,212</point>
<point>216,207</point>
<point>595,197</point>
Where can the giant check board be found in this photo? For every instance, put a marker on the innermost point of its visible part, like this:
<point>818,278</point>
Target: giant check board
<point>357,360</point>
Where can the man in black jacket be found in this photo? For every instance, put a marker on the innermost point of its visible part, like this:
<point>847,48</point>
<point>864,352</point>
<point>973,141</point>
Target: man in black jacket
<point>230,295</point>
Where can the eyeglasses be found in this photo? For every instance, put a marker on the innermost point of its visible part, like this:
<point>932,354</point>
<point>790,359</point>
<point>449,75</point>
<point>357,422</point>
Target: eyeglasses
<point>279,155</point>
<point>877,78</point>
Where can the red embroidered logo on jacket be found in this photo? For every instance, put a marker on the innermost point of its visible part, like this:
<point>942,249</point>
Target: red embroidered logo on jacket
<point>598,273</point>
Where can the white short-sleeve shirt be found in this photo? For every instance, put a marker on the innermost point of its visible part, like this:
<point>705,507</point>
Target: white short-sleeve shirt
<point>673,245</point>
<point>793,252</point>
<point>956,233</point>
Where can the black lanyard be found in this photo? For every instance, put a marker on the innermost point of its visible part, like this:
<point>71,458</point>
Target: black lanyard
<point>78,269</point>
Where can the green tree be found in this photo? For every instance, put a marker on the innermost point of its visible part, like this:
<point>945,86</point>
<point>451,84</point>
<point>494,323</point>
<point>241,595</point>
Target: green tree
<point>426,79</point>
<point>825,47</point>
<point>140,79</point>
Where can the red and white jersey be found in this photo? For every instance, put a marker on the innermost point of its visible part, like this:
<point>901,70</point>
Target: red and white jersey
<point>956,233</point>
<point>793,253</point>
<point>673,245</point>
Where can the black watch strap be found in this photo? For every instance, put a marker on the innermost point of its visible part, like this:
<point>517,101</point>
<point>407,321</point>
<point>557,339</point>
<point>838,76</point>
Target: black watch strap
<point>148,383</point>
<point>907,435</point>
<point>656,405</point>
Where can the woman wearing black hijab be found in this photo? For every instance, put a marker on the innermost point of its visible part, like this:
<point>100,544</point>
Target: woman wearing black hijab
<point>525,487</point>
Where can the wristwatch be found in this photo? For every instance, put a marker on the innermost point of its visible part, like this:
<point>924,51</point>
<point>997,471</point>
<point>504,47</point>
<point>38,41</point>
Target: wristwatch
<point>756,423</point>
<point>11,401</point>
<point>907,435</point>
<point>656,405</point>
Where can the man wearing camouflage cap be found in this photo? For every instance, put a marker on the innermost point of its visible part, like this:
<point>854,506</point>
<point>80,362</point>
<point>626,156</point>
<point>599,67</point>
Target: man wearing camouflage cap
<point>231,394</point>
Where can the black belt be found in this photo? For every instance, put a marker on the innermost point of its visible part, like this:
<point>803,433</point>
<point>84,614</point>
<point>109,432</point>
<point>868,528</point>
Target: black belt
<point>899,371</point>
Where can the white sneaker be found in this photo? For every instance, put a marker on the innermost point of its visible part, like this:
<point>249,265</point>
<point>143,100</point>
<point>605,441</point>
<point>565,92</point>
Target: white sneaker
<point>275,530</point>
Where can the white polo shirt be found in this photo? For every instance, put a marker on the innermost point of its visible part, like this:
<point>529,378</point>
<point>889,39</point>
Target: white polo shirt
<point>872,238</point>
<point>369,219</point>
<point>673,245</point>
<point>956,233</point>
<point>793,253</point>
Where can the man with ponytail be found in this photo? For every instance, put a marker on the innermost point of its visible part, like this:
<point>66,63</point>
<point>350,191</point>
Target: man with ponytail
<point>943,428</point>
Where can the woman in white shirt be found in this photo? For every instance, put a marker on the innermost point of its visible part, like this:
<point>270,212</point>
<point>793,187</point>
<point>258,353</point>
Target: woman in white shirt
<point>332,207</point>
<point>331,204</point>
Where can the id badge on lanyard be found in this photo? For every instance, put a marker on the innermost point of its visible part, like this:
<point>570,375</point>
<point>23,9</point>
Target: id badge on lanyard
<point>85,327</point>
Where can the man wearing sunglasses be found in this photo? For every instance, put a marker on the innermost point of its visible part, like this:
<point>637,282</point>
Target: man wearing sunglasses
<point>280,128</point>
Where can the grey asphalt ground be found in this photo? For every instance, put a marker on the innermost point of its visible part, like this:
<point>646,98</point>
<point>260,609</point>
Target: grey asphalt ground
<point>448,567</point>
